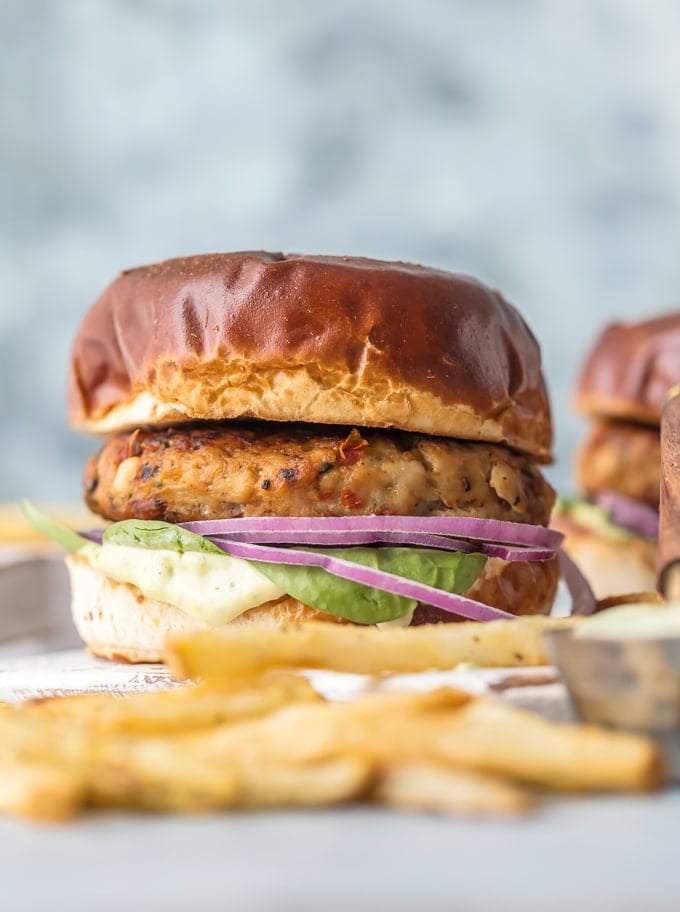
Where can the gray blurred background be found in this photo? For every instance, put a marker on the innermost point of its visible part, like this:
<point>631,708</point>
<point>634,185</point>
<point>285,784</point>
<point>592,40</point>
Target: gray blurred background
<point>534,144</point>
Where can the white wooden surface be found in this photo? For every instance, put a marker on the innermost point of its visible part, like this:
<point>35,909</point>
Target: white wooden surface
<point>615,854</point>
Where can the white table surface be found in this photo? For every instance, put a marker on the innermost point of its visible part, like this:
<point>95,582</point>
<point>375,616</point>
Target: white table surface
<point>606,854</point>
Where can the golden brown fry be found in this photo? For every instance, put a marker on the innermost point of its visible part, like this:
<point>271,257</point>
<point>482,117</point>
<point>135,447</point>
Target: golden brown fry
<point>40,791</point>
<point>379,726</point>
<point>158,774</point>
<point>478,735</point>
<point>502,739</point>
<point>249,649</point>
<point>179,775</point>
<point>427,786</point>
<point>267,783</point>
<point>181,708</point>
<point>46,739</point>
<point>150,772</point>
<point>173,775</point>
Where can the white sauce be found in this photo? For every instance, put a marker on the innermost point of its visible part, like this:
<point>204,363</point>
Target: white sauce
<point>632,622</point>
<point>214,588</point>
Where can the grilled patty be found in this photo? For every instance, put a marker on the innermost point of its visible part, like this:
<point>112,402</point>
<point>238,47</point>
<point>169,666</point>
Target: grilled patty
<point>214,471</point>
<point>622,457</point>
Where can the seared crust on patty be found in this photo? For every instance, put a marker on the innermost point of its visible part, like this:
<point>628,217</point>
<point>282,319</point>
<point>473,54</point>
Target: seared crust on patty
<point>623,457</point>
<point>214,471</point>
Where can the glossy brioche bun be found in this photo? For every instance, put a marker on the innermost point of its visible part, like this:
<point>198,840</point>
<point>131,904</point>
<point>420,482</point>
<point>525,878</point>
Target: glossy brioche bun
<point>330,340</point>
<point>612,567</point>
<point>118,622</point>
<point>630,369</point>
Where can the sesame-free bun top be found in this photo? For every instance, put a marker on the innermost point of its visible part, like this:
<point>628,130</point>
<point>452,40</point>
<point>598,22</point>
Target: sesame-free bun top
<point>331,340</point>
<point>630,369</point>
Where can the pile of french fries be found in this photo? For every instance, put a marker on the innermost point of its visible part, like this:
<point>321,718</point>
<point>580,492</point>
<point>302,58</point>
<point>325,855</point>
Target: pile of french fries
<point>248,731</point>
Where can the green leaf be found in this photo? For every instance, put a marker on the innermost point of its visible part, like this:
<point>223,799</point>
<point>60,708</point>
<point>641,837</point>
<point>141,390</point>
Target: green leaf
<point>157,535</point>
<point>593,517</point>
<point>67,538</point>
<point>452,571</point>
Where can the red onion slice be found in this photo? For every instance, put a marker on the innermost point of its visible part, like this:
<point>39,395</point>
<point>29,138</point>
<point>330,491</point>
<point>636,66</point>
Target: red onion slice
<point>630,514</point>
<point>508,553</point>
<point>495,531</point>
<point>93,535</point>
<point>367,576</point>
<point>331,539</point>
<point>582,597</point>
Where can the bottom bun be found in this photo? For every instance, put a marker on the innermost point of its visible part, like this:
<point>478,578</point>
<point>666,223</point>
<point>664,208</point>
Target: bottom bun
<point>118,622</point>
<point>611,566</point>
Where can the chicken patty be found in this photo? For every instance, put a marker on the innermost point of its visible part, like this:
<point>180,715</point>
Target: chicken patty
<point>622,457</point>
<point>214,471</point>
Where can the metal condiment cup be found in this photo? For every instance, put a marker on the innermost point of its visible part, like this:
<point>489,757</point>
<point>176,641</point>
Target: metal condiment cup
<point>631,684</point>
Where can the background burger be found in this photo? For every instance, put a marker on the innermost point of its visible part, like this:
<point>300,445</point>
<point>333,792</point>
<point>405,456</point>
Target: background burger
<point>253,386</point>
<point>612,532</point>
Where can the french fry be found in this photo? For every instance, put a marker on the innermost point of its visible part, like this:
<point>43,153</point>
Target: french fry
<point>157,774</point>
<point>478,735</point>
<point>334,780</point>
<point>426,786</point>
<point>307,733</point>
<point>149,772</point>
<point>249,649</point>
<point>181,708</point>
<point>181,773</point>
<point>502,739</point>
<point>25,737</point>
<point>40,791</point>
<point>173,775</point>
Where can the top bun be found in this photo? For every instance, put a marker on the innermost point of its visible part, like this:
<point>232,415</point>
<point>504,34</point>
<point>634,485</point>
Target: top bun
<point>630,369</point>
<point>331,340</point>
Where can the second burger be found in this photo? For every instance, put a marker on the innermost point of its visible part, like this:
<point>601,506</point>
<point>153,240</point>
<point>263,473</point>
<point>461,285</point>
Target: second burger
<point>612,531</point>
